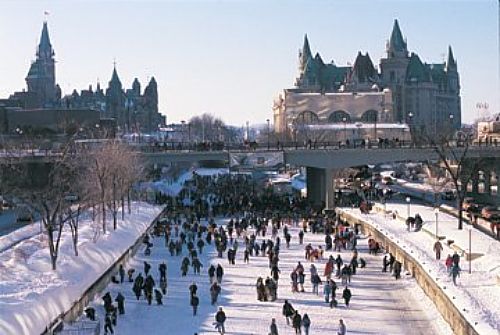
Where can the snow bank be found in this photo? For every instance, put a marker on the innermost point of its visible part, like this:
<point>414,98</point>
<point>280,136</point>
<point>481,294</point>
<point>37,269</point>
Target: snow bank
<point>32,295</point>
<point>477,294</point>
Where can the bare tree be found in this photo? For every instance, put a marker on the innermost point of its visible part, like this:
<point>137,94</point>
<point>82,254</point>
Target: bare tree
<point>437,179</point>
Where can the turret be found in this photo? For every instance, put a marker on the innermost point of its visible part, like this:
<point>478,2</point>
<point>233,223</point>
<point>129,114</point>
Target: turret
<point>304,54</point>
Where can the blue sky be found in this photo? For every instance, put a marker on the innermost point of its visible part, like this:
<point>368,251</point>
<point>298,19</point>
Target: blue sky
<point>230,58</point>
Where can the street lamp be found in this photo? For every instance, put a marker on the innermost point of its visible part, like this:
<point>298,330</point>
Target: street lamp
<point>451,126</point>
<point>408,199</point>
<point>268,144</point>
<point>436,213</point>
<point>344,119</point>
<point>410,116</point>
<point>384,193</point>
<point>183,130</point>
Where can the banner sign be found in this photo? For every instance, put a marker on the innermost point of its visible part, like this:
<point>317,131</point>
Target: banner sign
<point>252,160</point>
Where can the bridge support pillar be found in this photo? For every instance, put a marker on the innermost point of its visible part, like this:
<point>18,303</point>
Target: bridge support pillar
<point>475,183</point>
<point>320,187</point>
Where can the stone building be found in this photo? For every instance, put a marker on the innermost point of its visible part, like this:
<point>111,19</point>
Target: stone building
<point>402,90</point>
<point>131,110</point>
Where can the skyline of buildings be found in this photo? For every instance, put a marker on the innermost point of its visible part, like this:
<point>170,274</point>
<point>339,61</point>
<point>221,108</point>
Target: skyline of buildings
<point>231,58</point>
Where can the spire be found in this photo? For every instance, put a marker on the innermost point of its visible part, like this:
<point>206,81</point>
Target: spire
<point>397,44</point>
<point>451,63</point>
<point>305,53</point>
<point>115,80</point>
<point>45,48</point>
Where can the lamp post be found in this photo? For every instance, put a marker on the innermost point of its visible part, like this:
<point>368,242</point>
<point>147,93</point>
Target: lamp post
<point>470,249</point>
<point>344,119</point>
<point>451,126</point>
<point>375,126</point>
<point>268,143</point>
<point>408,200</point>
<point>436,213</point>
<point>384,193</point>
<point>410,116</point>
<point>183,131</point>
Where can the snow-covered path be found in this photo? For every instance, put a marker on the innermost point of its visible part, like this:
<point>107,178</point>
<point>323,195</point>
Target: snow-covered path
<point>380,305</point>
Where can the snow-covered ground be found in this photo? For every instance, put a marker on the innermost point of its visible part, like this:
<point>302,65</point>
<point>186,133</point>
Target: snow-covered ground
<point>380,304</point>
<point>32,295</point>
<point>477,293</point>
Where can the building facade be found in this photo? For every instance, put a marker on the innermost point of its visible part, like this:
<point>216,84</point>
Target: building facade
<point>131,109</point>
<point>402,90</point>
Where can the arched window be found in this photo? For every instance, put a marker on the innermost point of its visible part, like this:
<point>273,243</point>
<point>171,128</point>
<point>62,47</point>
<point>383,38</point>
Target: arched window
<point>369,116</point>
<point>339,116</point>
<point>307,117</point>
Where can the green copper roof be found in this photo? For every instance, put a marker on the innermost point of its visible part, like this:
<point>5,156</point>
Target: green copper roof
<point>397,43</point>
<point>416,70</point>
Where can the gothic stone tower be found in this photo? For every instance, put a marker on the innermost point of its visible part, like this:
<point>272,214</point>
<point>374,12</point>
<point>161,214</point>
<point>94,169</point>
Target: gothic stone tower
<point>393,70</point>
<point>41,78</point>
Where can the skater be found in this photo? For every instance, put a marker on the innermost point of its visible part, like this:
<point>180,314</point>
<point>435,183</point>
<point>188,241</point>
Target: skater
<point>120,301</point>
<point>346,294</point>
<point>121,272</point>
<point>162,268</point>
<point>306,323</point>
<point>219,272</point>
<point>297,322</point>
<point>273,328</point>
<point>108,324</point>
<point>220,318</point>
<point>214,292</point>
<point>195,301</point>
<point>448,263</point>
<point>163,286</point>
<point>211,273</point>
<point>342,328</point>
<point>301,237</point>
<point>455,258</point>
<point>397,270</point>
<point>455,272</point>
<point>193,288</point>
<point>438,247</point>
<point>385,263</point>
<point>288,311</point>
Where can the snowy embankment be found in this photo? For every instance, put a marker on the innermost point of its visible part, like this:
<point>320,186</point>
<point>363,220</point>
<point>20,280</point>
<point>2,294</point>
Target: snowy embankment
<point>477,294</point>
<point>23,233</point>
<point>32,295</point>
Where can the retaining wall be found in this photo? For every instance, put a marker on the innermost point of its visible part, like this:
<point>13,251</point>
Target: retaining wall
<point>445,306</point>
<point>101,283</point>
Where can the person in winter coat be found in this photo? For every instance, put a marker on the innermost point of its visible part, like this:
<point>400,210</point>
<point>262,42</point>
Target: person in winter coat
<point>196,265</point>
<point>163,286</point>
<point>195,301</point>
<point>185,266</point>
<point>448,263</point>
<point>211,273</point>
<point>220,318</point>
<point>90,313</point>
<point>346,294</point>
<point>162,268</point>
<point>121,272</point>
<point>108,301</point>
<point>438,247</point>
<point>306,323</point>
<point>455,272</point>
<point>397,269</point>
<point>219,272</point>
<point>297,322</point>
<point>130,274</point>
<point>316,281</point>
<point>273,328</point>
<point>288,311</point>
<point>275,273</point>
<point>108,324</point>
<point>301,237</point>
<point>149,284</point>
<point>385,263</point>
<point>295,281</point>
<point>214,292</point>
<point>120,301</point>
<point>327,290</point>
<point>342,329</point>
<point>455,258</point>
<point>193,289</point>
<point>200,244</point>
<point>137,288</point>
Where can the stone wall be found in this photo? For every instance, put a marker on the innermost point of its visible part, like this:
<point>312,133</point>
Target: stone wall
<point>445,306</point>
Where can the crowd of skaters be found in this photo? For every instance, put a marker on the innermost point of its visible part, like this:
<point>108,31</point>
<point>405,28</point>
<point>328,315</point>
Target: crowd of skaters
<point>258,221</point>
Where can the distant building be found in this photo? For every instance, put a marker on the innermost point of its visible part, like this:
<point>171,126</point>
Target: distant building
<point>402,90</point>
<point>131,110</point>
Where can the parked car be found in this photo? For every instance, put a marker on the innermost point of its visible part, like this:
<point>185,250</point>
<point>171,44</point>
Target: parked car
<point>387,180</point>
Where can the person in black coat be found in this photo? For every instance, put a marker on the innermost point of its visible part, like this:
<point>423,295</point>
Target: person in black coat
<point>288,311</point>
<point>121,272</point>
<point>346,294</point>
<point>158,297</point>
<point>120,299</point>
<point>219,272</point>
<point>220,318</point>
<point>297,322</point>
<point>162,268</point>
<point>195,301</point>
<point>147,267</point>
